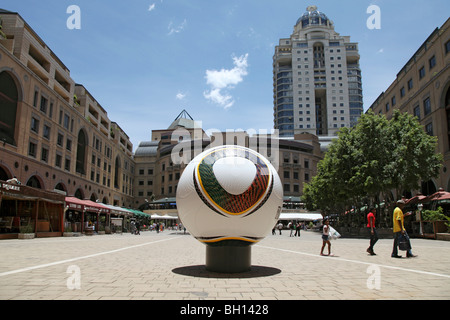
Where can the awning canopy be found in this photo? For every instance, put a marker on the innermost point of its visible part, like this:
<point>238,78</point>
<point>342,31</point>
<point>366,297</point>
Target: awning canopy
<point>85,205</point>
<point>138,213</point>
<point>300,216</point>
<point>117,210</point>
<point>166,217</point>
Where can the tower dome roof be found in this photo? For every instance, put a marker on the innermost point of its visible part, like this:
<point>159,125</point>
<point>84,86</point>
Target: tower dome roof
<point>313,17</point>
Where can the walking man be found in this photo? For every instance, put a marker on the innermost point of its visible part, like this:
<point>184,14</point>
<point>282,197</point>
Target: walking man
<point>399,229</point>
<point>372,230</point>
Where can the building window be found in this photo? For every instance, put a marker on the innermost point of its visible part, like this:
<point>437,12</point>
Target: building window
<point>393,101</point>
<point>46,133</point>
<point>32,147</point>
<point>67,164</point>
<point>421,72</point>
<point>44,102</point>
<point>417,112</point>
<point>410,84</point>
<point>69,145</point>
<point>402,92</point>
<point>429,128</point>
<point>34,125</point>
<point>426,106</point>
<point>447,47</point>
<point>35,99</point>
<point>432,62</point>
<point>58,160</point>
<point>60,139</point>
<point>66,121</point>
<point>44,154</point>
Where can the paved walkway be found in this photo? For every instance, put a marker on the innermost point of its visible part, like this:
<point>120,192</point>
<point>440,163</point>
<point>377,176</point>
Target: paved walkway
<point>171,266</point>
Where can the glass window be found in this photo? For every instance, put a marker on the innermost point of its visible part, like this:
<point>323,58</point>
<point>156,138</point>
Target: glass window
<point>32,147</point>
<point>410,84</point>
<point>46,133</point>
<point>432,62</point>
<point>34,125</point>
<point>421,72</point>
<point>44,102</point>
<point>417,112</point>
<point>426,106</point>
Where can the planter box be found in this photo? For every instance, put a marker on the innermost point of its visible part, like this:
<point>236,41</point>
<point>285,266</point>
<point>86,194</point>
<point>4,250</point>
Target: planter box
<point>89,231</point>
<point>443,236</point>
<point>71,234</point>
<point>432,228</point>
<point>25,236</point>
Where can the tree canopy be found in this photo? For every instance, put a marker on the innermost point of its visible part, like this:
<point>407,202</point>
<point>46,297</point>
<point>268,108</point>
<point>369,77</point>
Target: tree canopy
<point>373,158</point>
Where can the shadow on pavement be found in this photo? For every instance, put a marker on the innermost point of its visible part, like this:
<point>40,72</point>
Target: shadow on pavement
<point>200,271</point>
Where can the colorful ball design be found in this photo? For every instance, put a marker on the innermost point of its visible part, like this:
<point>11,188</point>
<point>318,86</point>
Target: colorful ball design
<point>229,194</point>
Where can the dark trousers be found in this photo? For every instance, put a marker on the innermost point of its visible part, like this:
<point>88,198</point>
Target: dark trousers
<point>373,237</point>
<point>395,248</point>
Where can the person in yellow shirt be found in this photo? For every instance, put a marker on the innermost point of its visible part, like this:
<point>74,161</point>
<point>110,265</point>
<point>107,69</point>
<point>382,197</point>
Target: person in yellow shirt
<point>399,229</point>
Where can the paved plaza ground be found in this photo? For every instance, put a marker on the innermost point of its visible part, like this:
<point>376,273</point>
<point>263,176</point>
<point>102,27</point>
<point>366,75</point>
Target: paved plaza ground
<point>170,265</point>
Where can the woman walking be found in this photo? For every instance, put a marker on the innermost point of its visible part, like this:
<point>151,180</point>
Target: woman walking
<point>325,237</point>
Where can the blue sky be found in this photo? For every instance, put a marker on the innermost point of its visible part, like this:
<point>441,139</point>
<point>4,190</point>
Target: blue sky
<point>145,61</point>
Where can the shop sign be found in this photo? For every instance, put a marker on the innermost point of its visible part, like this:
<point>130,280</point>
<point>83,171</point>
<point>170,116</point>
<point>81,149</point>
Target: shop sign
<point>9,187</point>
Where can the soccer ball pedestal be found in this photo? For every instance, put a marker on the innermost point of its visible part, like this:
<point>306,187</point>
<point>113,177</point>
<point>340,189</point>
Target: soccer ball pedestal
<point>224,258</point>
<point>229,198</point>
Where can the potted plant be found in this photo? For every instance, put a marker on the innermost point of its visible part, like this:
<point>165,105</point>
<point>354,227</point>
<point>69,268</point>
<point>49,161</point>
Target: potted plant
<point>26,232</point>
<point>435,222</point>
<point>101,229</point>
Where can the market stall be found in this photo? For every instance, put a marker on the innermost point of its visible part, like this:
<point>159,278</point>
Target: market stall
<point>85,215</point>
<point>29,210</point>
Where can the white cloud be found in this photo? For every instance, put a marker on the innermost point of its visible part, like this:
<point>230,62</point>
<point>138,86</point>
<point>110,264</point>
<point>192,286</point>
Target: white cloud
<point>176,29</point>
<point>224,80</point>
<point>180,96</point>
<point>381,50</point>
<point>152,7</point>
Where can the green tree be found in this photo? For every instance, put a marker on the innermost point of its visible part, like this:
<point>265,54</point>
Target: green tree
<point>370,160</point>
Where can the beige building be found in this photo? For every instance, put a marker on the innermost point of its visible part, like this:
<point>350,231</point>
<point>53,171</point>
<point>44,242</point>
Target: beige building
<point>421,88</point>
<point>54,134</point>
<point>160,162</point>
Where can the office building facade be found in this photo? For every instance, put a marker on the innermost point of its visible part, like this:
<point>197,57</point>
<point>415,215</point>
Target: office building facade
<point>316,79</point>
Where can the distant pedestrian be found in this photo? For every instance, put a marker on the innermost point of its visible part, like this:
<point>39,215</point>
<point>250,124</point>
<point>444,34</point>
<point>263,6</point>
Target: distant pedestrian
<point>138,227</point>
<point>399,230</point>
<point>325,237</point>
<point>291,227</point>
<point>298,227</point>
<point>280,227</point>
<point>372,230</point>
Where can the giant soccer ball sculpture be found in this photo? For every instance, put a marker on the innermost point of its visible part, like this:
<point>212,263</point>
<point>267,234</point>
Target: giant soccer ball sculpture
<point>229,197</point>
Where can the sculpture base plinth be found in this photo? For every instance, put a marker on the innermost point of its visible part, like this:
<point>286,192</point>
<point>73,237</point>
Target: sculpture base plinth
<point>228,259</point>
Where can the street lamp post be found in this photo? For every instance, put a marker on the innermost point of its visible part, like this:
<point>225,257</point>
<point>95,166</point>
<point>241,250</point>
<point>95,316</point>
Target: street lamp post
<point>420,207</point>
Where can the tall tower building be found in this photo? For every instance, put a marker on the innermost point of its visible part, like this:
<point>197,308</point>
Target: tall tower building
<point>316,79</point>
